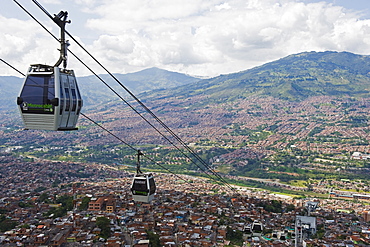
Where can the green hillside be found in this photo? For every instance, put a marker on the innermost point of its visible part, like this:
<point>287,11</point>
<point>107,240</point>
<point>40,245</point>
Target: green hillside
<point>294,78</point>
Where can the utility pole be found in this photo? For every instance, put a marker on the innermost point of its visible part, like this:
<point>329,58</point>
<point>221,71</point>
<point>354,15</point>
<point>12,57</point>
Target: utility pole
<point>298,232</point>
<point>74,205</point>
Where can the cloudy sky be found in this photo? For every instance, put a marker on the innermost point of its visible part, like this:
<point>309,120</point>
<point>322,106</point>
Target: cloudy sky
<point>197,37</point>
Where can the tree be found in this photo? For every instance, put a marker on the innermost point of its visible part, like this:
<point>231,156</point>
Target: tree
<point>43,197</point>
<point>290,207</point>
<point>235,236</point>
<point>67,205</point>
<point>104,224</point>
<point>274,206</point>
<point>153,239</point>
<point>85,203</point>
<point>6,224</point>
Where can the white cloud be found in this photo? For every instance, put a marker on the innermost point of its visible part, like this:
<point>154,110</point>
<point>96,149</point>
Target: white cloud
<point>24,43</point>
<point>232,34</point>
<point>205,37</point>
<point>50,2</point>
<point>86,2</point>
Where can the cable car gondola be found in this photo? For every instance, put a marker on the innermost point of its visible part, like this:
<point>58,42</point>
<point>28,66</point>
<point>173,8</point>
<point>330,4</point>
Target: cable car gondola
<point>50,98</point>
<point>257,228</point>
<point>143,186</point>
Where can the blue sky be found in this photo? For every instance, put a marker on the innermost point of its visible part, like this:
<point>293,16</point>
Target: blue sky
<point>362,6</point>
<point>197,37</point>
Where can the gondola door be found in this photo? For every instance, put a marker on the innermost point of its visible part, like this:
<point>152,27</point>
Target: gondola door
<point>65,100</point>
<point>76,100</point>
<point>70,99</point>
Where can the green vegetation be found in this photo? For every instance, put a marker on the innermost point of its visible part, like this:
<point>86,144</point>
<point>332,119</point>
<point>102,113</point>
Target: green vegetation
<point>234,236</point>
<point>273,206</point>
<point>253,135</point>
<point>315,131</point>
<point>84,203</point>
<point>66,205</point>
<point>294,167</point>
<point>6,224</point>
<point>293,78</point>
<point>268,131</point>
<point>24,204</point>
<point>104,224</point>
<point>269,128</point>
<point>153,239</point>
<point>43,198</point>
<point>320,232</point>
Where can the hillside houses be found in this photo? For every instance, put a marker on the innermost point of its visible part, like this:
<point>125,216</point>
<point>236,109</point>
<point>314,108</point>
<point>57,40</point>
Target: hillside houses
<point>360,156</point>
<point>189,211</point>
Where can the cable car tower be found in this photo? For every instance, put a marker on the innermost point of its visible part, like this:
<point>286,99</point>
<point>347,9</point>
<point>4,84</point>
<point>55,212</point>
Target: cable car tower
<point>50,98</point>
<point>143,186</point>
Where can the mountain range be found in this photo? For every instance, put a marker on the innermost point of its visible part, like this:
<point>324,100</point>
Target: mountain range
<point>95,92</point>
<point>293,78</point>
<point>313,101</point>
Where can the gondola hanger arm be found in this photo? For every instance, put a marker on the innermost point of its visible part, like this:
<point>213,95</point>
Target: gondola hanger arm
<point>139,153</point>
<point>61,20</point>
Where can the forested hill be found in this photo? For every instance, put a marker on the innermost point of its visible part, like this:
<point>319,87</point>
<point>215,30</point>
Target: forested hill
<point>294,78</point>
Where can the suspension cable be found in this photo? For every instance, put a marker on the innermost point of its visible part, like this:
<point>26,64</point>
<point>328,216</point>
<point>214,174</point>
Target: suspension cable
<point>49,15</point>
<point>130,146</point>
<point>146,109</point>
<point>109,132</point>
<point>157,119</point>
<point>132,95</point>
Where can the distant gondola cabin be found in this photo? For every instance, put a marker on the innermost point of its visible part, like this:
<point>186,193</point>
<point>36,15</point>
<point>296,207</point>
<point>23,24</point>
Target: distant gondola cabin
<point>50,99</point>
<point>143,187</point>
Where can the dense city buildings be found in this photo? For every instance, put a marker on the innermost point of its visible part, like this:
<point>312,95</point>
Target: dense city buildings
<point>187,211</point>
<point>69,189</point>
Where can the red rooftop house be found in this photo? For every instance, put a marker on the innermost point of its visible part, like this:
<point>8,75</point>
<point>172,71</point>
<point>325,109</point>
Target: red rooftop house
<point>104,203</point>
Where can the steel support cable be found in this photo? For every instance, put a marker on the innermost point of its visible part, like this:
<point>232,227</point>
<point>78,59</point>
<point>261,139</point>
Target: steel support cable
<point>152,114</point>
<point>156,118</point>
<point>109,132</point>
<point>130,146</point>
<point>88,69</point>
<point>12,67</point>
<point>128,104</point>
<point>105,82</point>
<point>50,16</point>
<point>132,95</point>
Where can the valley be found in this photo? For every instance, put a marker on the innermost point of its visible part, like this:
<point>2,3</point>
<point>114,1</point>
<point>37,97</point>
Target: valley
<point>279,136</point>
<point>309,122</point>
<point>260,137</point>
